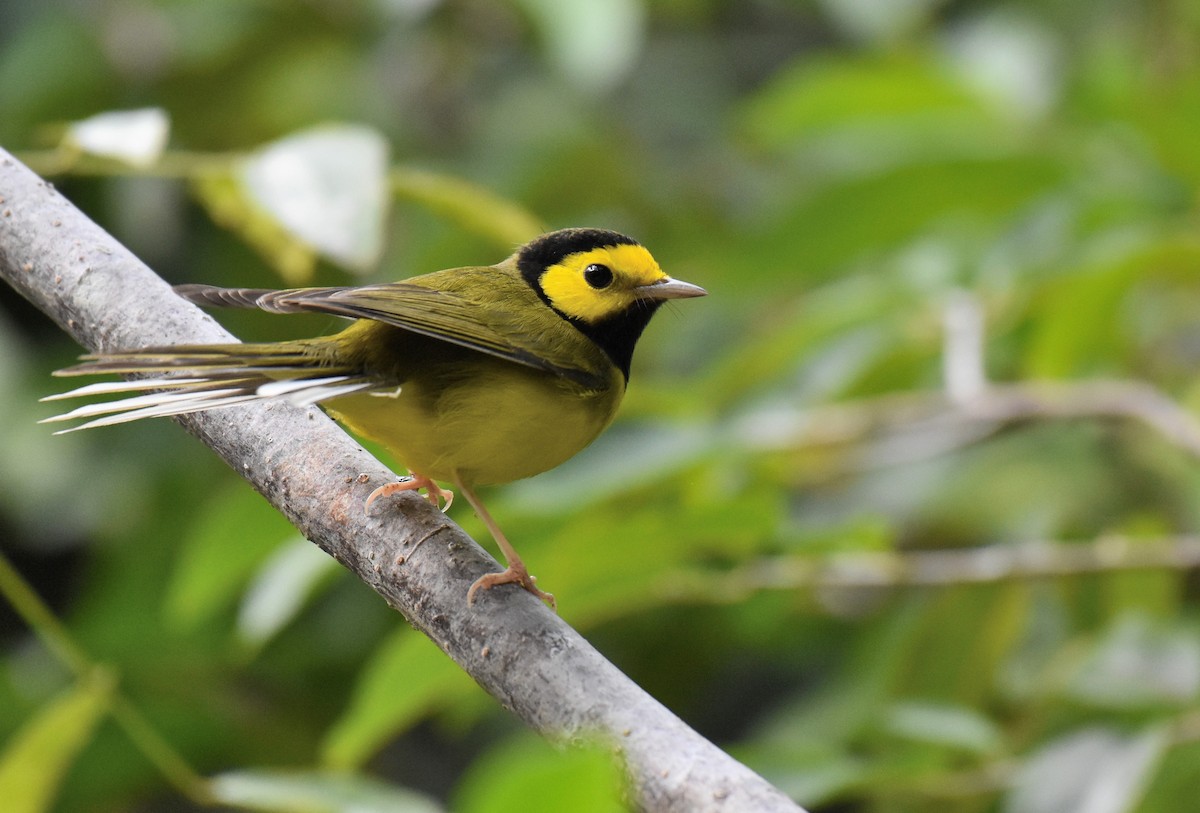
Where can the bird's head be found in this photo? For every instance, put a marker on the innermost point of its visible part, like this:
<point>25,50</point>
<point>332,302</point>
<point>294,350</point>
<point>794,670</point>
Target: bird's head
<point>606,284</point>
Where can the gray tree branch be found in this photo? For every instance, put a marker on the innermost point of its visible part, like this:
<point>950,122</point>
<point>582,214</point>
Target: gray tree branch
<point>513,646</point>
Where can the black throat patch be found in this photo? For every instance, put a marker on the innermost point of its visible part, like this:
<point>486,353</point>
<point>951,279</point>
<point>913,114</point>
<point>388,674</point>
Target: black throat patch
<point>618,335</point>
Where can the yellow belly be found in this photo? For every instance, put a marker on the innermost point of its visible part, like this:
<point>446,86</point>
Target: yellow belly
<point>500,422</point>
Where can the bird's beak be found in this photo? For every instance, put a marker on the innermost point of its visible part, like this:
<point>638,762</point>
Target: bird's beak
<point>667,288</point>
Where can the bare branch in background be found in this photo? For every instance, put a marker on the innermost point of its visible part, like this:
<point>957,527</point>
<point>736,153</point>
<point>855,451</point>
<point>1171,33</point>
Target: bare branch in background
<point>931,423</point>
<point>1026,561</point>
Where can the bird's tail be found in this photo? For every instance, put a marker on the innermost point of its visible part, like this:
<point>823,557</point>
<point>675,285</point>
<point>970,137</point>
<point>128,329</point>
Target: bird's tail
<point>194,378</point>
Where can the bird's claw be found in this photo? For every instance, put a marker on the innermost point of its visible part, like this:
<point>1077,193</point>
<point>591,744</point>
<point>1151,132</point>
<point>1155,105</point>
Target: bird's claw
<point>433,492</point>
<point>511,575</point>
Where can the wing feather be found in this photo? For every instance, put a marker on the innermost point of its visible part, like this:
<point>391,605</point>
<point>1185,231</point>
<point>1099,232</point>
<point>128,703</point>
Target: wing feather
<point>451,312</point>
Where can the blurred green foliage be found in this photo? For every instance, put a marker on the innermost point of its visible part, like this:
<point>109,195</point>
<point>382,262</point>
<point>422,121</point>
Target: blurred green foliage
<point>743,541</point>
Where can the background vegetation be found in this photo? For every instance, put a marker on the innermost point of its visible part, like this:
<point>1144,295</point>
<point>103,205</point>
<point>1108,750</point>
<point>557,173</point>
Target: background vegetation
<point>817,532</point>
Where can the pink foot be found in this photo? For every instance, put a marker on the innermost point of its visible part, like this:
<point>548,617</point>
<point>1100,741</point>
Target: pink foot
<point>514,574</point>
<point>433,492</point>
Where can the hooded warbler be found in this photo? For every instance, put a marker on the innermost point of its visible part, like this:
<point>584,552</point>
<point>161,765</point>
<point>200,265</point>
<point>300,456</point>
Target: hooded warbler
<point>477,375</point>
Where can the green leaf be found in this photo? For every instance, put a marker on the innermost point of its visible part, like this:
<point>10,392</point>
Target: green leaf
<point>848,220</point>
<point>627,459</point>
<point>236,532</point>
<point>967,634</point>
<point>808,771</point>
<point>833,716</point>
<point>315,792</point>
<point>408,679</point>
<point>1175,781</point>
<point>527,774</point>
<point>1094,770</point>
<point>1076,324</point>
<point>36,759</point>
<point>848,311</point>
<point>1082,319</point>
<point>640,550</point>
<point>1155,593</point>
<point>819,95</point>
<point>473,207</point>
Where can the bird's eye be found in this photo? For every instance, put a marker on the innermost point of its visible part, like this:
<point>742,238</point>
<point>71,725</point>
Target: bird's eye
<point>598,276</point>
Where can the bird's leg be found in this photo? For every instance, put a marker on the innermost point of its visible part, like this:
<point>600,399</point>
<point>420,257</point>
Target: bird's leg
<point>515,573</point>
<point>433,492</point>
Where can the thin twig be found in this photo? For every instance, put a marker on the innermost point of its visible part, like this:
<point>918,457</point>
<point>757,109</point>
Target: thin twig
<point>1027,561</point>
<point>41,619</point>
<point>34,612</point>
<point>949,424</point>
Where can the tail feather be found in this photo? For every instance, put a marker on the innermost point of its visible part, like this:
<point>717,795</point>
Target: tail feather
<point>200,357</point>
<point>198,378</point>
<point>152,405</point>
<point>110,387</point>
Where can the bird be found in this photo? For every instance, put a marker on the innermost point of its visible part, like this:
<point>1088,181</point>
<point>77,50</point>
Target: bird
<point>474,376</point>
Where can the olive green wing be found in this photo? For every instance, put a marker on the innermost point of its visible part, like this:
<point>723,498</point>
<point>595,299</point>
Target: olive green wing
<point>477,313</point>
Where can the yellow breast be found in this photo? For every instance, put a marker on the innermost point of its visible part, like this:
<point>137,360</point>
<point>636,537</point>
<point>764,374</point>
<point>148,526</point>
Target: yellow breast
<point>494,422</point>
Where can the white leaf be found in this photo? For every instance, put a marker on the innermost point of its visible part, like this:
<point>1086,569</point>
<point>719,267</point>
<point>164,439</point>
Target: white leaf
<point>1140,663</point>
<point>943,724</point>
<point>328,187</point>
<point>1010,60</point>
<point>315,792</point>
<point>877,19</point>
<point>281,588</point>
<point>1091,771</point>
<point>136,137</point>
<point>626,459</point>
<point>595,43</point>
